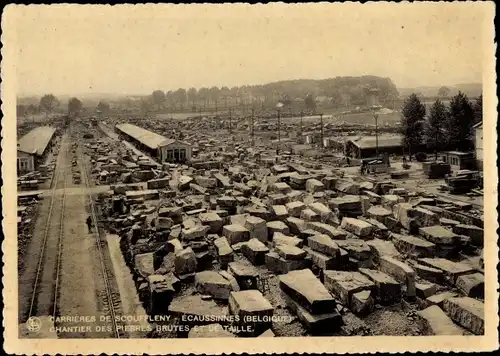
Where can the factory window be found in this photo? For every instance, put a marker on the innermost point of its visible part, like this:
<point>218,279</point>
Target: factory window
<point>170,155</point>
<point>182,154</point>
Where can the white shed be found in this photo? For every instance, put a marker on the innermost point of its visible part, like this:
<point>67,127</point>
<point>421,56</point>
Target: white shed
<point>175,151</point>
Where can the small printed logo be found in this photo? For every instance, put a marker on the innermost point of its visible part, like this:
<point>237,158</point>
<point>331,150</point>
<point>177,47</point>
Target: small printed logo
<point>33,324</point>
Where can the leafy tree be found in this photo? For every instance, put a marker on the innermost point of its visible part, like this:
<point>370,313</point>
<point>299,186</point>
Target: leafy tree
<point>443,92</point>
<point>412,118</point>
<point>74,106</point>
<point>48,103</point>
<point>434,129</point>
<point>170,99</point>
<point>32,109</point>
<point>191,94</point>
<point>181,97</point>
<point>214,94</point>
<point>478,110</point>
<point>158,98</point>
<point>310,102</point>
<point>146,104</point>
<point>203,95</point>
<point>103,107</point>
<point>459,123</point>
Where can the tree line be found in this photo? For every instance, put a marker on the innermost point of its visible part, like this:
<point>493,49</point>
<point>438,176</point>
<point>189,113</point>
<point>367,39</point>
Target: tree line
<point>444,127</point>
<point>351,89</point>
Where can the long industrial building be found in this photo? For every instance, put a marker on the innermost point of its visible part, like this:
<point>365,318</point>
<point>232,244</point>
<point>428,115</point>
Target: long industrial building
<point>157,146</point>
<point>32,148</point>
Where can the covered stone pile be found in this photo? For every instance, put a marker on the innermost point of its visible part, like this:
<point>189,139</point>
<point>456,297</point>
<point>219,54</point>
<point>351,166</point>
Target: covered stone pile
<point>241,241</point>
<point>113,163</point>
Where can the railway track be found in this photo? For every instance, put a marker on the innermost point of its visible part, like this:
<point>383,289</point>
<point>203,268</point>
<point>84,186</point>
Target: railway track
<point>45,293</point>
<point>110,299</point>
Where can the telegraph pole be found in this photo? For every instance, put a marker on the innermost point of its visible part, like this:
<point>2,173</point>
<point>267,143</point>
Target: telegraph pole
<point>321,122</point>
<point>376,134</point>
<point>279,131</point>
<point>301,123</point>
<point>230,121</point>
<point>253,129</point>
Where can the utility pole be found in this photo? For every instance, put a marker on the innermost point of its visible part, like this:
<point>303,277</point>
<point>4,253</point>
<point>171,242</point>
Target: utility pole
<point>279,132</point>
<point>253,129</point>
<point>376,133</point>
<point>321,122</point>
<point>301,122</point>
<point>230,121</point>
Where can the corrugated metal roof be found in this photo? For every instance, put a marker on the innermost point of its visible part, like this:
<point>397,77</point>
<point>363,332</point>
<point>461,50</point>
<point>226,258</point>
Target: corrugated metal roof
<point>36,141</point>
<point>383,141</point>
<point>146,137</point>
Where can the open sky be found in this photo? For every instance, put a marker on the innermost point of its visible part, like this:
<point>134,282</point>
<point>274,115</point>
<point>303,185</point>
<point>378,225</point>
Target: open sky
<point>136,49</point>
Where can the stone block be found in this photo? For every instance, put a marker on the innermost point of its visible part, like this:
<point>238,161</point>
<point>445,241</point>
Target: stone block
<point>281,239</point>
<point>439,235</point>
<point>323,261</point>
<point>358,227</point>
<point>252,308</point>
<point>387,289</point>
<point>254,251</point>
<point>472,285</point>
<point>296,225</point>
<point>438,299</point>
<point>429,273</point>
<point>379,213</point>
<point>452,270</point>
<point>295,208</point>
<point>314,185</point>
<point>224,251</point>
<point>357,249</point>
<point>277,264</point>
<point>309,215</point>
<point>322,210</point>
<point>344,284</point>
<point>257,228</point>
<point>212,283</point>
<point>413,246</point>
<point>196,307</point>
<point>316,324</point>
<point>213,221</point>
<point>185,262</point>
<point>304,288</point>
<point>362,302</point>
<point>438,322</point>
<point>466,312</point>
<point>327,229</point>
<point>289,252</point>
<point>277,226</point>
<point>424,217</point>
<point>425,290</point>
<point>475,233</point>
<point>324,244</point>
<point>235,233</point>
<point>279,212</point>
<point>401,272</point>
<point>195,233</point>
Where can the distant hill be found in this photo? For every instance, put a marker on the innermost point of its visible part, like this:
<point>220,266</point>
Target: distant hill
<point>470,89</point>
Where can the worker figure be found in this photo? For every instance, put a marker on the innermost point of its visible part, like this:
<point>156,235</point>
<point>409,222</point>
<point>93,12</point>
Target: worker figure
<point>404,160</point>
<point>89,223</point>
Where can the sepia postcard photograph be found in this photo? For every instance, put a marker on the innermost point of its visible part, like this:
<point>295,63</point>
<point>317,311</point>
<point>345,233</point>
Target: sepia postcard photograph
<point>238,178</point>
